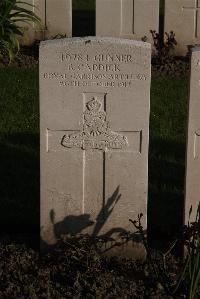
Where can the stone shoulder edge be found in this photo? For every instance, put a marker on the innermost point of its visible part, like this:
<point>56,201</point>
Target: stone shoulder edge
<point>92,39</point>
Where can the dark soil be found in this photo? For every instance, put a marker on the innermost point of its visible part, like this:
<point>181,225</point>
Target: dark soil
<point>75,270</point>
<point>27,57</point>
<point>170,66</point>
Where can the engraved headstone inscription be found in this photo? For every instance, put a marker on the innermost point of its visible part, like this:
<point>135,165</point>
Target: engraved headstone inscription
<point>183,17</point>
<point>192,192</point>
<point>94,114</point>
<point>127,18</point>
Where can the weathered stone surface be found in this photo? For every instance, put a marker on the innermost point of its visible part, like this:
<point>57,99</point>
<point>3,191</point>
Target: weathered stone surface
<point>127,18</point>
<point>192,196</point>
<point>183,17</point>
<point>56,19</point>
<point>94,112</point>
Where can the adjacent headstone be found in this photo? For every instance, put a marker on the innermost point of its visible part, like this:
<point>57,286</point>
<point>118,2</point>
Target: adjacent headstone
<point>127,18</point>
<point>183,18</point>
<point>192,196</point>
<point>94,112</point>
<point>59,18</point>
<point>56,20</point>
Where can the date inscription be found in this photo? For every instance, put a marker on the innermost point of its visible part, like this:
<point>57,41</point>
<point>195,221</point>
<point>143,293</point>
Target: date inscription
<point>100,70</point>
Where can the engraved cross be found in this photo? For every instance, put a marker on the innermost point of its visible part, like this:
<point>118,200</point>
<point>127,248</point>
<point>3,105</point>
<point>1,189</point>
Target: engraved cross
<point>96,140</point>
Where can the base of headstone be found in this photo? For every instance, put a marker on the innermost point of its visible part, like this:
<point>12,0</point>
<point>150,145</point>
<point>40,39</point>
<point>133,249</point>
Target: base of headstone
<point>130,249</point>
<point>118,248</point>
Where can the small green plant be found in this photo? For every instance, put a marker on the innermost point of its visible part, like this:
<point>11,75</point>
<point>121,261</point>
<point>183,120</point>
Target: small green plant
<point>188,278</point>
<point>59,36</point>
<point>157,261</point>
<point>11,15</point>
<point>144,38</point>
<point>191,271</point>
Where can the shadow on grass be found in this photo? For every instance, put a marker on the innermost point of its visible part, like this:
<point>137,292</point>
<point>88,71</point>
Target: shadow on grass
<point>19,183</point>
<point>166,189</point>
<point>19,190</point>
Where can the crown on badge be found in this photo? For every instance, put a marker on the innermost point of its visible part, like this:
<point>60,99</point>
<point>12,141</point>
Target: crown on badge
<point>93,105</point>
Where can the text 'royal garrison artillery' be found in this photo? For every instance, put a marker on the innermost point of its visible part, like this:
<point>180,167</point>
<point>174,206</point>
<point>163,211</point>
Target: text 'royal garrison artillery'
<point>94,106</point>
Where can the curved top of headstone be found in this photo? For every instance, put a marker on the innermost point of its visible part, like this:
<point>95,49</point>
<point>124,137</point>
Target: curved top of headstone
<point>93,39</point>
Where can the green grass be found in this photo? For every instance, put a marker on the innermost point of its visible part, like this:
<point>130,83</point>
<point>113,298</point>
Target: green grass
<point>83,19</point>
<point>162,3</point>
<point>19,151</point>
<point>167,154</point>
<point>83,4</point>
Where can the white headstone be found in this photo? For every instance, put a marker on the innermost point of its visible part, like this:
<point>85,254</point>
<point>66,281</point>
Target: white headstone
<point>59,18</point>
<point>127,18</point>
<point>192,196</point>
<point>94,112</point>
<point>56,19</point>
<point>183,18</point>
